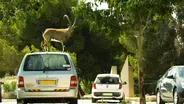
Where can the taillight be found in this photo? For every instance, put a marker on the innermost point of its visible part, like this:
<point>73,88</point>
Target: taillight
<point>120,85</point>
<point>21,82</point>
<point>94,85</point>
<point>73,81</point>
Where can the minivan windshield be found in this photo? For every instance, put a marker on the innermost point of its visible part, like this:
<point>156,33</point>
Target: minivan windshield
<point>107,80</point>
<point>42,62</point>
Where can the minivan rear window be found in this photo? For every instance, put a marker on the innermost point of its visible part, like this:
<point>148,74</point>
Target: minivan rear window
<point>107,80</point>
<point>42,62</point>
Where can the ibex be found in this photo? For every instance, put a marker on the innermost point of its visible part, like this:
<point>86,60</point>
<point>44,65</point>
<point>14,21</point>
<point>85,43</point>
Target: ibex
<point>58,35</point>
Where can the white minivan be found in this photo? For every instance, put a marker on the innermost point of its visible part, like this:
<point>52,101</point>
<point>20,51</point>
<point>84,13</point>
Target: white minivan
<point>47,77</point>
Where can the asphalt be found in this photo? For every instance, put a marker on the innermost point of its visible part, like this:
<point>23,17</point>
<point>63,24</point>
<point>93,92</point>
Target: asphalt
<point>81,101</point>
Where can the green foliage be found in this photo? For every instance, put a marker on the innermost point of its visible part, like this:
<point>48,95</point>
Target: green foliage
<point>9,83</point>
<point>101,46</point>
<point>9,57</point>
<point>161,39</point>
<point>6,87</point>
<point>102,38</point>
<point>86,86</point>
<point>28,49</point>
<point>128,40</point>
<point>73,57</point>
<point>133,62</point>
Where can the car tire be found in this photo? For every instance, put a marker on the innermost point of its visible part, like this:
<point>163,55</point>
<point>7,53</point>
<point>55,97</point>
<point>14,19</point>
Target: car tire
<point>94,100</point>
<point>159,99</point>
<point>73,101</point>
<point>176,98</point>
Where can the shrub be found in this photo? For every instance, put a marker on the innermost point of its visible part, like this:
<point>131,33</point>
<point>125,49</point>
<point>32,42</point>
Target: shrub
<point>13,86</point>
<point>9,87</point>
<point>86,86</point>
<point>6,87</point>
<point>9,83</point>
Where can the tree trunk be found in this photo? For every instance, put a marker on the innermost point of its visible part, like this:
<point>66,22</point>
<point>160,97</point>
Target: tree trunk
<point>140,66</point>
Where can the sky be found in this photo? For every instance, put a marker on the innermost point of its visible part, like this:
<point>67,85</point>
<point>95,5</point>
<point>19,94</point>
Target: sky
<point>100,6</point>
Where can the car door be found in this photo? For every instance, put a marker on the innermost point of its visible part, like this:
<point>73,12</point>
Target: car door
<point>163,87</point>
<point>170,82</point>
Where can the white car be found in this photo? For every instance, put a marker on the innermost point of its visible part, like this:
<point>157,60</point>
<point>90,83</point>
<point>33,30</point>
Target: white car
<point>47,77</point>
<point>107,86</point>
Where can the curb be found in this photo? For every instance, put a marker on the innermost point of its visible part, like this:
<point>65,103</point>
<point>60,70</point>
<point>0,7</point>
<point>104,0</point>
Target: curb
<point>9,95</point>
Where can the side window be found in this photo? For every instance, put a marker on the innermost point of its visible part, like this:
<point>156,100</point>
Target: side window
<point>174,72</point>
<point>181,72</point>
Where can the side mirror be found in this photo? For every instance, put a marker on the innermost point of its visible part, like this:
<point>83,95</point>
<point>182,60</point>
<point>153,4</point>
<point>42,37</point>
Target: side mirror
<point>171,77</point>
<point>124,83</point>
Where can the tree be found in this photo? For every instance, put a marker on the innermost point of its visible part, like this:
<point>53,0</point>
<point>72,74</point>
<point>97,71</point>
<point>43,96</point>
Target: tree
<point>177,23</point>
<point>139,16</point>
<point>101,43</point>
<point>102,37</point>
<point>9,58</point>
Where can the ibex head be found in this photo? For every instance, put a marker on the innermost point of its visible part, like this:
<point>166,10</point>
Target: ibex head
<point>71,27</point>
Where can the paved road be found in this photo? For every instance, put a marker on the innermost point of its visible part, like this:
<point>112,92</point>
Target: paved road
<point>82,101</point>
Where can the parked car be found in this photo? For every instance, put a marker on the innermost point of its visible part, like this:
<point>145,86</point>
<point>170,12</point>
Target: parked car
<point>47,77</point>
<point>170,87</point>
<point>107,86</point>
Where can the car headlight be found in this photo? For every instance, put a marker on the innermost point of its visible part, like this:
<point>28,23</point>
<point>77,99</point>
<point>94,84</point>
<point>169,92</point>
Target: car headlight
<point>182,84</point>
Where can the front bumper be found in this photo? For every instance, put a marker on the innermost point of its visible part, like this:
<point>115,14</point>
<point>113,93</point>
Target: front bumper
<point>22,94</point>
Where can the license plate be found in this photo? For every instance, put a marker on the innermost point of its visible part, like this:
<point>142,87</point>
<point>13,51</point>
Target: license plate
<point>107,94</point>
<point>47,82</point>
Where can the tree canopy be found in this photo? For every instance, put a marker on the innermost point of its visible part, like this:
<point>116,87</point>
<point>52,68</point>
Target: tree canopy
<point>101,38</point>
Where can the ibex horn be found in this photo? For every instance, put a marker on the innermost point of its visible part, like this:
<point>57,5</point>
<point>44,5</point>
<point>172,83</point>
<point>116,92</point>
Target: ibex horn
<point>67,19</point>
<point>74,22</point>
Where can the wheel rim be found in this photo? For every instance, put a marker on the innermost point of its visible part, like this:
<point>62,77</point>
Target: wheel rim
<point>158,97</point>
<point>175,97</point>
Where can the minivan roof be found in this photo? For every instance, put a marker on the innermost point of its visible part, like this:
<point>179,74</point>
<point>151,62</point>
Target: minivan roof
<point>47,53</point>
